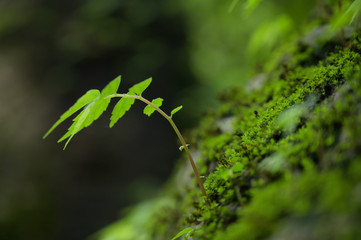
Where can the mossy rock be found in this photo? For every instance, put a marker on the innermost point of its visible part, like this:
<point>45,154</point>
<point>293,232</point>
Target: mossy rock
<point>281,157</point>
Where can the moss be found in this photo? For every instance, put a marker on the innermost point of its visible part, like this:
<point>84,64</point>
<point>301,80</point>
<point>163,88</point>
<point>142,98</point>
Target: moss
<point>284,168</point>
<point>289,168</point>
<point>318,205</point>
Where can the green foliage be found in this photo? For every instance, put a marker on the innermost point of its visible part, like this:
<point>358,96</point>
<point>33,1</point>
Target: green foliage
<point>289,158</point>
<point>80,103</point>
<point>353,10</point>
<point>181,233</point>
<point>136,224</point>
<point>92,111</point>
<point>148,110</point>
<point>268,35</point>
<point>124,104</point>
<point>347,15</point>
<point>95,103</point>
<point>174,111</point>
<point>96,107</point>
<point>181,148</point>
<point>291,163</point>
<point>230,29</point>
<point>139,88</point>
<point>120,109</point>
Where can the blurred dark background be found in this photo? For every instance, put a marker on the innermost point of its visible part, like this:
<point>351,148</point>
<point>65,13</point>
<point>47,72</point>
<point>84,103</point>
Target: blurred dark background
<point>52,52</point>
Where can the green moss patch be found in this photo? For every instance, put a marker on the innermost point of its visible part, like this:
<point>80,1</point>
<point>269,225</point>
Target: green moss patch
<point>281,158</point>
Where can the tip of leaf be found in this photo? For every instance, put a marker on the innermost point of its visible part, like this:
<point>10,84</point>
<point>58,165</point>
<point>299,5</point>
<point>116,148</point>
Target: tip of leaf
<point>118,79</point>
<point>139,88</point>
<point>67,142</point>
<point>174,111</point>
<point>48,132</point>
<point>148,80</point>
<point>149,110</point>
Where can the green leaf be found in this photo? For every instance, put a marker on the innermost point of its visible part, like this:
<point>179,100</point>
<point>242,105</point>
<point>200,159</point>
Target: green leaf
<point>78,125</point>
<point>347,15</point>
<point>80,103</point>
<point>79,122</point>
<point>184,231</point>
<point>355,8</point>
<point>112,87</point>
<point>102,102</point>
<point>120,109</point>
<point>148,110</point>
<point>92,111</point>
<point>174,111</point>
<point>139,88</point>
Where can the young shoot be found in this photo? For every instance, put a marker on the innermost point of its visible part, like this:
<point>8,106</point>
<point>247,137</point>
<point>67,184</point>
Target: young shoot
<point>94,102</point>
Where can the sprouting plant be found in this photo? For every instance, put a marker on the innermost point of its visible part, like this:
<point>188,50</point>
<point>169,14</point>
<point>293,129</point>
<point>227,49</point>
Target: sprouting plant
<point>94,103</point>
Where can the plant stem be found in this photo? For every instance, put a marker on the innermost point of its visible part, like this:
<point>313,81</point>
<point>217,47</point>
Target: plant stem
<point>175,128</point>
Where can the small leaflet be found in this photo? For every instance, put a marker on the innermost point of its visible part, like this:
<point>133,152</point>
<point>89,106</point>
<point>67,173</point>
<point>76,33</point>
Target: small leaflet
<point>123,105</point>
<point>181,148</point>
<point>75,127</point>
<point>102,102</point>
<point>78,125</point>
<point>139,88</point>
<point>174,111</point>
<point>92,111</point>
<point>80,103</point>
<point>148,110</point>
